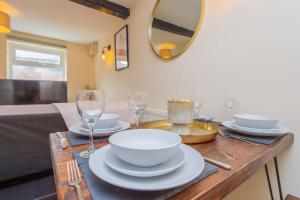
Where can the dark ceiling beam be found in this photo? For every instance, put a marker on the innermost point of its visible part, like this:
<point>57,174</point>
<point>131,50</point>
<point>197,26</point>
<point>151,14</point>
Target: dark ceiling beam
<point>106,7</point>
<point>172,28</point>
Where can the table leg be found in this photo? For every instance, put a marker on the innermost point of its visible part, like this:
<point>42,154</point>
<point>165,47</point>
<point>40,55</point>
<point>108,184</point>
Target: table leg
<point>269,182</point>
<point>278,178</point>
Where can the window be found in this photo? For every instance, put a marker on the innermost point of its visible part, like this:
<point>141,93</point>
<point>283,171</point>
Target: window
<point>32,61</point>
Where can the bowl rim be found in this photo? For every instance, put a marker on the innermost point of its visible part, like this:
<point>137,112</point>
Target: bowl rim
<point>147,149</point>
<point>268,118</point>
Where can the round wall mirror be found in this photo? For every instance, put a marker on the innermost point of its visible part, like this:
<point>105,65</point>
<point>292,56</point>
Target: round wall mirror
<point>174,25</point>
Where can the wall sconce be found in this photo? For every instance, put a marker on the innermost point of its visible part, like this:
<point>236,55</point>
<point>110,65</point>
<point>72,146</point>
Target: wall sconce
<point>103,51</point>
<point>165,50</point>
<point>165,53</point>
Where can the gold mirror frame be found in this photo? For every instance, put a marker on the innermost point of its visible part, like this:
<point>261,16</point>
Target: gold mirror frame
<point>200,21</point>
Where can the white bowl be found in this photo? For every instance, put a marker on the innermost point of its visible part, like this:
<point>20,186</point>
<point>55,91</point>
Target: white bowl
<point>106,121</point>
<point>145,147</point>
<point>256,121</point>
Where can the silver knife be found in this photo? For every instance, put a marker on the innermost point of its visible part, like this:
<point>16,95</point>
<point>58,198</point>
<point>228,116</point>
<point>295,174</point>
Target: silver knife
<point>63,140</point>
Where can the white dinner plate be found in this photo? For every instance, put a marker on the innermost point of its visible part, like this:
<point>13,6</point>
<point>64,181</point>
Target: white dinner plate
<point>115,128</point>
<point>125,168</point>
<point>191,169</point>
<point>77,129</point>
<point>262,130</point>
<point>254,132</point>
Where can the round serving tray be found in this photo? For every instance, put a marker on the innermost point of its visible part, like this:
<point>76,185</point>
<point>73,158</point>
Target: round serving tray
<point>196,132</point>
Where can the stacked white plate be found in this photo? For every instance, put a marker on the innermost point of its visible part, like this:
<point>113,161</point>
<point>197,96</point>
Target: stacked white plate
<point>256,125</point>
<point>146,160</point>
<point>105,126</point>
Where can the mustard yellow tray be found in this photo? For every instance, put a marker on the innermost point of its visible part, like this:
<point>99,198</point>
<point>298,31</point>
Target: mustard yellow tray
<point>197,132</point>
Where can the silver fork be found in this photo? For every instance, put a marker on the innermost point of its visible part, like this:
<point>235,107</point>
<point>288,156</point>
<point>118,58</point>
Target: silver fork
<point>74,177</point>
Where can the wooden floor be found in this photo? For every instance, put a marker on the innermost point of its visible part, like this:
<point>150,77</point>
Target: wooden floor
<point>290,197</point>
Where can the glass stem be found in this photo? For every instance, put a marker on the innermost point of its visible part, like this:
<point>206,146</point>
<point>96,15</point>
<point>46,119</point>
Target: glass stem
<point>138,117</point>
<point>91,148</point>
<point>197,111</point>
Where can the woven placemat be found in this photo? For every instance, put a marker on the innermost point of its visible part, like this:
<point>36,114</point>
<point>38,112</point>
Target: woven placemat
<point>76,140</point>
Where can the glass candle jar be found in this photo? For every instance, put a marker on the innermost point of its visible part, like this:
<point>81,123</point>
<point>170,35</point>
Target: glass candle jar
<point>180,111</point>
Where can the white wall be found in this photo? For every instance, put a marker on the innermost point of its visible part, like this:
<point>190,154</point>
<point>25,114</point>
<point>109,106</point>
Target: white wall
<point>250,48</point>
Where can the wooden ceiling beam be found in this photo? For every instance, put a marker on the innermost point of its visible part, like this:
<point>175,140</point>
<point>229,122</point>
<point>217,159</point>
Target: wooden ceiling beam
<point>172,28</point>
<point>106,7</point>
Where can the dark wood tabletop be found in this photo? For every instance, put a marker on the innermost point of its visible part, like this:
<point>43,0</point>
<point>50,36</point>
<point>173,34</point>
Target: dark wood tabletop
<point>245,159</point>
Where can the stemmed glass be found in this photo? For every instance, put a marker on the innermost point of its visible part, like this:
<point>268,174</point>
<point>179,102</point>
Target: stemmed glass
<point>198,104</point>
<point>90,105</point>
<point>229,103</point>
<point>137,102</point>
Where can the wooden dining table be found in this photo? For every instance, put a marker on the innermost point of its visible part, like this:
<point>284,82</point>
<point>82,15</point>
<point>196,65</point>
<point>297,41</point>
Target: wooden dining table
<point>244,158</point>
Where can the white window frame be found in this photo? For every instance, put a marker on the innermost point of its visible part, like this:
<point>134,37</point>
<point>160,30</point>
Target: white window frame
<point>13,45</point>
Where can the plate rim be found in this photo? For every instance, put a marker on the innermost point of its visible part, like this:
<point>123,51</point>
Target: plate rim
<point>146,174</point>
<point>141,188</point>
<point>122,128</point>
<point>117,127</point>
<point>262,130</point>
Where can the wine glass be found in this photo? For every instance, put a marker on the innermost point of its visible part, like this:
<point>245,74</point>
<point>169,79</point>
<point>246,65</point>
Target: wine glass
<point>137,102</point>
<point>90,105</point>
<point>230,104</point>
<point>198,104</point>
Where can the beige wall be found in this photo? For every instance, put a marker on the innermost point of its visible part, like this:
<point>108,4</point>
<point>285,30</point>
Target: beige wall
<point>2,55</point>
<point>249,48</point>
<point>80,70</point>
